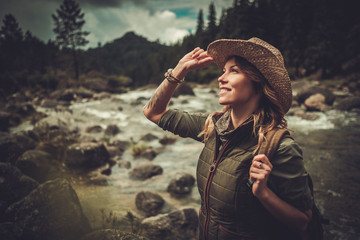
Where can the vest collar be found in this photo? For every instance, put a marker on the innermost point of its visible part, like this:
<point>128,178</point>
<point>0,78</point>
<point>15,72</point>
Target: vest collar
<point>223,125</point>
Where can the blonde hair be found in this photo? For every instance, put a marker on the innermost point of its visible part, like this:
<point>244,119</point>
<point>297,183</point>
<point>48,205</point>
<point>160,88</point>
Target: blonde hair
<point>269,114</point>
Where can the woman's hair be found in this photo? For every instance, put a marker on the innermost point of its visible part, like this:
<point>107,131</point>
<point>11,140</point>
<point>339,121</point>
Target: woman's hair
<point>269,114</point>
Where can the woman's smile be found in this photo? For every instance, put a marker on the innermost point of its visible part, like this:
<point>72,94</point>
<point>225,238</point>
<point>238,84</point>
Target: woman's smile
<point>235,87</point>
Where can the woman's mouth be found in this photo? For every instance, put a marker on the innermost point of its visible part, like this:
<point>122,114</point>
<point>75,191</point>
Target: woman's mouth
<point>224,90</point>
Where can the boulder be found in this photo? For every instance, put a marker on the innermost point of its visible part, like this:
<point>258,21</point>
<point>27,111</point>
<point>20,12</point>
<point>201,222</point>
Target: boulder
<point>114,151</point>
<point>5,119</point>
<point>71,94</point>
<point>94,129</point>
<point>22,109</point>
<point>149,153</point>
<point>167,140</point>
<point>348,103</point>
<point>181,184</point>
<point>96,84</point>
<point>149,202</point>
<point>145,170</point>
<point>51,211</point>
<point>86,154</point>
<point>148,137</point>
<point>315,102</point>
<point>14,185</point>
<point>13,145</point>
<point>43,126</point>
<point>39,165</point>
<point>307,92</point>
<point>179,224</point>
<point>121,145</point>
<point>184,89</point>
<point>52,103</point>
<point>111,234</point>
<point>112,129</point>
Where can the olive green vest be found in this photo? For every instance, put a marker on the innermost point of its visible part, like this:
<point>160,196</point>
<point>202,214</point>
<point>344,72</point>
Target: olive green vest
<point>229,210</point>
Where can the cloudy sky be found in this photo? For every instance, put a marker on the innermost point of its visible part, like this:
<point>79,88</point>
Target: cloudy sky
<point>106,20</point>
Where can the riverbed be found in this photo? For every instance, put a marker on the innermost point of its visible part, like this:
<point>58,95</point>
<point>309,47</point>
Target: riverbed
<point>330,146</point>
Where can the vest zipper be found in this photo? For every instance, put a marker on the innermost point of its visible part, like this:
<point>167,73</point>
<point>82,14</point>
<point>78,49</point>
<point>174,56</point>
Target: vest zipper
<point>209,179</point>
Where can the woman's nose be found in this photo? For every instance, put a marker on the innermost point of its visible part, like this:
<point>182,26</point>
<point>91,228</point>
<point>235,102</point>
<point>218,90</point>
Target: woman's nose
<point>221,78</point>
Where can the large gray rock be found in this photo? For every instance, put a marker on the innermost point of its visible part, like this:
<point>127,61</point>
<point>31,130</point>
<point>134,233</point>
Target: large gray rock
<point>181,184</point>
<point>149,202</point>
<point>86,154</point>
<point>13,145</point>
<point>149,153</point>
<point>149,137</point>
<point>184,89</point>
<point>14,185</point>
<point>111,234</point>
<point>39,165</point>
<point>53,103</point>
<point>145,170</point>
<point>71,94</point>
<point>348,103</point>
<point>112,129</point>
<point>315,102</point>
<point>51,211</point>
<point>307,92</point>
<point>179,225</point>
<point>51,122</point>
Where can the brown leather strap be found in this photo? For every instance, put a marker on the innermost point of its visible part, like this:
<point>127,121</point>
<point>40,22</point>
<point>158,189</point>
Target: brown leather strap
<point>272,141</point>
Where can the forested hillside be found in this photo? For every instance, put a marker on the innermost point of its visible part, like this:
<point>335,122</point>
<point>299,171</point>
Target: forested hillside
<point>315,36</point>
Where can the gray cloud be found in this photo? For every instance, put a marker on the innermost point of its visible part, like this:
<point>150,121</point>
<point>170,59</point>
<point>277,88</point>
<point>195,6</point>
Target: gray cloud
<point>104,3</point>
<point>110,19</point>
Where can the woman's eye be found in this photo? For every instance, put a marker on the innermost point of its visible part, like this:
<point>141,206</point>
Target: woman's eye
<point>234,70</point>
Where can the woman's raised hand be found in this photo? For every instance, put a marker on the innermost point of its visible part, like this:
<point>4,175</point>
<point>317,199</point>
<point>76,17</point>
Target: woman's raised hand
<point>196,59</point>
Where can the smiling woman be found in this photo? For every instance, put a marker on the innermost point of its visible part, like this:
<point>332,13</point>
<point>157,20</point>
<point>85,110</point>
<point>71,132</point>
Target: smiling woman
<point>240,189</point>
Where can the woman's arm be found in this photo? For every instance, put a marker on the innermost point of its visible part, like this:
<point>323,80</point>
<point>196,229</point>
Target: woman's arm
<point>157,105</point>
<point>284,212</point>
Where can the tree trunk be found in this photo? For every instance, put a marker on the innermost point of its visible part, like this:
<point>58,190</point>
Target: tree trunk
<point>76,65</point>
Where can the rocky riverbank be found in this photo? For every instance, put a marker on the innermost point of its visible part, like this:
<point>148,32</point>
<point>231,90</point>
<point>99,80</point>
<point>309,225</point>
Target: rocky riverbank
<point>58,147</point>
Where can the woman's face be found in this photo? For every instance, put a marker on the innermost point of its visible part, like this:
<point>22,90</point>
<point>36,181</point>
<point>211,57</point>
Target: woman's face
<point>236,89</point>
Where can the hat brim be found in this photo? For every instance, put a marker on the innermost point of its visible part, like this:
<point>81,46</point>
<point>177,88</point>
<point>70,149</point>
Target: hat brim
<point>262,58</point>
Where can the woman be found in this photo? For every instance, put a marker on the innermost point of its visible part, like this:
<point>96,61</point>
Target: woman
<point>256,93</point>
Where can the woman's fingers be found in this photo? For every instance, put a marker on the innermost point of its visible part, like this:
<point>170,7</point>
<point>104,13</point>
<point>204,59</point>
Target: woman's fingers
<point>260,167</point>
<point>257,177</point>
<point>262,158</point>
<point>196,52</point>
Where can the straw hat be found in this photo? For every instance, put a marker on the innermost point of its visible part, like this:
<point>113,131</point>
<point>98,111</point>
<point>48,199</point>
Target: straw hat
<point>265,57</point>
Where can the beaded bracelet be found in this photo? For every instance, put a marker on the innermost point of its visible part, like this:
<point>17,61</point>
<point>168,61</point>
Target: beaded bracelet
<point>171,78</point>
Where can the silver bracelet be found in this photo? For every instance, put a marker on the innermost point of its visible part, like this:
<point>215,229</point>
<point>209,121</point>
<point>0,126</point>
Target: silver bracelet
<point>171,78</point>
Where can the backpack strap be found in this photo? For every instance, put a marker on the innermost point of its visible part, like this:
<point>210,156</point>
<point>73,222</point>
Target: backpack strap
<point>272,141</point>
<point>270,144</point>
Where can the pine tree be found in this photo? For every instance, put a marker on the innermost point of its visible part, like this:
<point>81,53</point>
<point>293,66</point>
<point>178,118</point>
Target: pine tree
<point>11,37</point>
<point>212,28</point>
<point>10,31</point>
<point>200,23</point>
<point>68,29</point>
